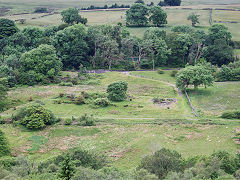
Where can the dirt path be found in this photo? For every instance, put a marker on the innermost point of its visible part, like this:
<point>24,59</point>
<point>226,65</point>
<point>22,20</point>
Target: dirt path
<point>143,77</point>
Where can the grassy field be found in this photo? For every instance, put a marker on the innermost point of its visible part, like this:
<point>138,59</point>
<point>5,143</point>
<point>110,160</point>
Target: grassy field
<point>133,129</point>
<point>175,17</point>
<point>124,144</point>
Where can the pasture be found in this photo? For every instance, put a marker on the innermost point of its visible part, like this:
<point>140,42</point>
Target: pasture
<point>129,130</point>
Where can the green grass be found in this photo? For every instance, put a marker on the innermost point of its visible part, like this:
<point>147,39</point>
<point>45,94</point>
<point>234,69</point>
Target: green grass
<point>126,144</point>
<point>216,99</point>
<point>126,134</point>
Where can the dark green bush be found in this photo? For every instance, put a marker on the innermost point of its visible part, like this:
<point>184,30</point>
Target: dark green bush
<point>231,115</point>
<point>68,121</point>
<point>160,71</point>
<point>162,162</point>
<point>117,91</point>
<point>86,120</point>
<point>79,100</point>
<point>34,116</point>
<point>4,145</point>
<point>101,102</point>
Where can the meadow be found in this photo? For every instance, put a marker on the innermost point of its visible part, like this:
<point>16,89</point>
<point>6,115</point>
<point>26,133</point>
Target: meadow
<point>129,130</point>
<point>176,16</point>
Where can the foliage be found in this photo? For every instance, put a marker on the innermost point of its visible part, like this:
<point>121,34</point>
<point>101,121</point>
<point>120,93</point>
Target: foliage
<point>194,18</point>
<point>194,75</point>
<point>101,102</point>
<point>68,121</point>
<point>229,73</point>
<point>79,100</point>
<point>219,53</point>
<point>86,120</point>
<point>160,71</point>
<point>38,65</point>
<point>172,2</point>
<point>67,168</point>
<point>7,28</point>
<point>4,145</point>
<point>137,15</point>
<point>231,114</point>
<point>3,95</point>
<point>117,91</point>
<point>162,162</point>
<point>158,16</point>
<point>217,32</point>
<point>34,116</point>
<point>71,16</point>
<point>71,46</point>
<point>41,10</point>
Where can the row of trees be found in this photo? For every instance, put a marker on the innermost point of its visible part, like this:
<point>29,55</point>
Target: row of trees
<point>34,55</point>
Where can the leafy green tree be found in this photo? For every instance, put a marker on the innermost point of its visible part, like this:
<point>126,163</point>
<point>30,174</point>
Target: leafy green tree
<point>194,75</point>
<point>117,91</point>
<point>42,63</point>
<point>162,162</point>
<point>158,16</point>
<point>71,46</point>
<point>159,47</point>
<point>4,145</point>
<point>67,168</point>
<point>7,28</point>
<point>179,45</point>
<point>218,31</point>
<point>71,16</point>
<point>33,36</point>
<point>137,15</point>
<point>172,2</point>
<point>194,18</point>
<point>219,53</point>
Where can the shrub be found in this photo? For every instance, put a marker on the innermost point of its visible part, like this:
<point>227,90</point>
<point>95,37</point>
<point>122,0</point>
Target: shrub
<point>4,146</point>
<point>68,121</point>
<point>101,102</point>
<point>88,158</point>
<point>231,115</point>
<point>86,120</point>
<point>66,84</point>
<point>160,71</point>
<point>173,73</point>
<point>117,91</point>
<point>162,162</point>
<point>41,10</point>
<point>79,100</point>
<point>84,94</point>
<point>34,116</point>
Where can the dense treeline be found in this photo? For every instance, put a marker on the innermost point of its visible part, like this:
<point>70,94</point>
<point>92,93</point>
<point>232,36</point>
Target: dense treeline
<point>35,55</point>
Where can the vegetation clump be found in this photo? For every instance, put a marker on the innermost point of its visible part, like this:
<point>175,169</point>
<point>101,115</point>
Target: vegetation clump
<point>34,116</point>
<point>4,145</point>
<point>231,114</point>
<point>101,102</point>
<point>117,91</point>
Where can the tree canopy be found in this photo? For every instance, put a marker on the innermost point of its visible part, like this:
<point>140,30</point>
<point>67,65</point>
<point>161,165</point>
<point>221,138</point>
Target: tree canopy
<point>194,75</point>
<point>137,15</point>
<point>71,16</point>
<point>7,28</point>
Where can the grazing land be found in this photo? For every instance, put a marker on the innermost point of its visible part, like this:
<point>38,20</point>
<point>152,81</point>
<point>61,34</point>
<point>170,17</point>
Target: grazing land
<point>130,130</point>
